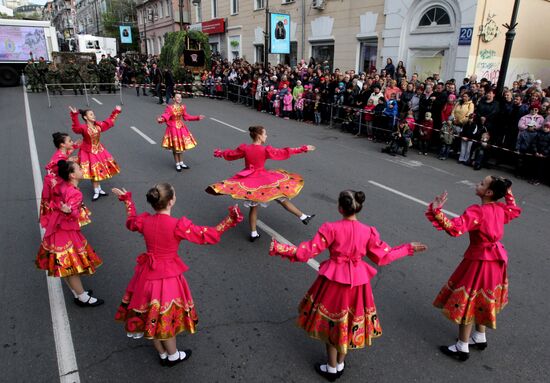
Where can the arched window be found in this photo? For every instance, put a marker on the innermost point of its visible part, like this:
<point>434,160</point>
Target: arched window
<point>435,16</point>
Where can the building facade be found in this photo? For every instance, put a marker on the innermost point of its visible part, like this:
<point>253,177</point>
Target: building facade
<point>155,18</point>
<point>453,38</point>
<point>88,16</point>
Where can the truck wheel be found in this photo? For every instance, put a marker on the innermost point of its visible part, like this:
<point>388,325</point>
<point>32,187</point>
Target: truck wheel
<point>8,76</point>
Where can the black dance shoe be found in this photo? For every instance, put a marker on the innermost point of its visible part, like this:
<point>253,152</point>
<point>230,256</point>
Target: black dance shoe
<point>458,355</point>
<point>163,361</point>
<point>183,166</point>
<point>253,238</point>
<point>306,220</point>
<point>330,376</point>
<point>172,363</point>
<point>95,197</point>
<point>477,345</point>
<point>99,302</point>
<point>90,292</point>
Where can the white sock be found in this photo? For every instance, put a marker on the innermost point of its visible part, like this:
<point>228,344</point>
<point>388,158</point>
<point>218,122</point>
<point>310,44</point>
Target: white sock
<point>84,297</point>
<point>478,337</point>
<point>177,355</point>
<point>327,368</point>
<point>302,217</point>
<point>459,346</point>
<point>340,367</point>
<point>96,190</point>
<point>163,356</point>
<point>254,234</point>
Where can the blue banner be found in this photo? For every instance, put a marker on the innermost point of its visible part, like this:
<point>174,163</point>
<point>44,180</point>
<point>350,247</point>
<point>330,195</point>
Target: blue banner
<point>125,34</point>
<point>280,33</point>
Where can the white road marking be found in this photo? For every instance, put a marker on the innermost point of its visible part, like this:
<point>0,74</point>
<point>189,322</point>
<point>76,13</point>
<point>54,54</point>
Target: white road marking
<point>409,197</point>
<point>146,137</point>
<point>66,358</point>
<point>226,124</point>
<point>96,100</point>
<point>311,262</point>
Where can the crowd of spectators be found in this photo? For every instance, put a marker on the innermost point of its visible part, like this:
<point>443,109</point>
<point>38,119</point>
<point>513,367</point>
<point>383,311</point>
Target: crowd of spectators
<point>468,121</point>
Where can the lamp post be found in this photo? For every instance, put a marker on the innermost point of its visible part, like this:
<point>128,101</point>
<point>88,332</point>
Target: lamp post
<point>96,18</point>
<point>266,36</point>
<point>510,34</point>
<point>181,14</point>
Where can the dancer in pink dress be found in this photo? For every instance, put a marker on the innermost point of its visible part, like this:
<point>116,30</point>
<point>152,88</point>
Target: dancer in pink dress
<point>257,185</point>
<point>65,146</point>
<point>158,304</point>
<point>64,252</point>
<point>177,137</point>
<point>478,289</point>
<point>339,308</point>
<point>96,162</point>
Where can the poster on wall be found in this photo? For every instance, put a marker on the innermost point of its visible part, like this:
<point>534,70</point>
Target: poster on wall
<point>125,34</point>
<point>280,33</point>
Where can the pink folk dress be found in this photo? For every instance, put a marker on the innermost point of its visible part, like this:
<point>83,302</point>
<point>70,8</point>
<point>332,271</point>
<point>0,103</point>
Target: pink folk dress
<point>339,308</point>
<point>64,251</point>
<point>255,183</point>
<point>96,162</point>
<point>177,137</point>
<point>478,289</point>
<point>51,179</point>
<point>158,302</point>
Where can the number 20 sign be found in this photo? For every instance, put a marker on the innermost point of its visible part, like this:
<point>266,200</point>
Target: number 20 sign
<point>465,37</point>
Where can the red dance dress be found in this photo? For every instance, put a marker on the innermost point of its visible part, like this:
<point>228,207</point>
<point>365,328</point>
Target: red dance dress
<point>96,162</point>
<point>177,137</point>
<point>339,308</point>
<point>255,183</point>
<point>158,302</point>
<point>51,179</point>
<point>64,251</point>
<point>478,289</point>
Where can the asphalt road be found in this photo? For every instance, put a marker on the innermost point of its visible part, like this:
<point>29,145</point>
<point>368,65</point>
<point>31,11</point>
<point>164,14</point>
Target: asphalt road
<point>247,300</point>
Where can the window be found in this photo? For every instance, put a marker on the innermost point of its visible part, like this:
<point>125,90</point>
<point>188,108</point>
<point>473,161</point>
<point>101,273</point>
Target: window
<point>234,7</point>
<point>367,60</point>
<point>259,4</point>
<point>214,9</point>
<point>166,8</point>
<point>198,12</point>
<point>159,10</point>
<point>322,53</point>
<point>214,47</point>
<point>435,16</point>
<point>287,1</point>
<point>259,53</point>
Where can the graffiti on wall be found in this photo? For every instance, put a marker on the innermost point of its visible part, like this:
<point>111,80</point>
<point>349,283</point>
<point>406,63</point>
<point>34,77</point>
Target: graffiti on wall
<point>488,65</point>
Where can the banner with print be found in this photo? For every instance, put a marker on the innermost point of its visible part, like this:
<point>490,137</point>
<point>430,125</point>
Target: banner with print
<point>280,33</point>
<point>194,58</point>
<point>125,34</point>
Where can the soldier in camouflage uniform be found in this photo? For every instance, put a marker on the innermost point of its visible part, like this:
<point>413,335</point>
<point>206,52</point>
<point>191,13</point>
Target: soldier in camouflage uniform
<point>31,73</point>
<point>92,70</point>
<point>53,78</point>
<point>141,74</point>
<point>42,69</point>
<point>72,72</point>
<point>107,73</point>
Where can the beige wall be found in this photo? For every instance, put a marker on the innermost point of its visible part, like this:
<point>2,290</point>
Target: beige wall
<point>346,26</point>
<point>530,53</point>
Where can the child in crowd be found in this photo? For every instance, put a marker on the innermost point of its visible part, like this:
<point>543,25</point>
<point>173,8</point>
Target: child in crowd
<point>478,289</point>
<point>339,308</point>
<point>378,123</point>
<point>480,151</point>
<point>425,134</point>
<point>401,139</point>
<point>277,105</point>
<point>299,107</point>
<point>526,149</point>
<point>287,105</point>
<point>368,116</point>
<point>317,109</point>
<point>447,137</point>
<point>542,155</point>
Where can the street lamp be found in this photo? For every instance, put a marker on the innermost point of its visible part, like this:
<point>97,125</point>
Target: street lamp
<point>507,49</point>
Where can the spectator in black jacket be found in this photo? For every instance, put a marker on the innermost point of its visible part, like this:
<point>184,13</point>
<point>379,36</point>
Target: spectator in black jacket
<point>542,155</point>
<point>156,75</point>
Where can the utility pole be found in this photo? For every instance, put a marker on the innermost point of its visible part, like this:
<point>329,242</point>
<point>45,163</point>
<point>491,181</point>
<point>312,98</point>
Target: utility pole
<point>507,49</point>
<point>181,14</point>
<point>266,36</point>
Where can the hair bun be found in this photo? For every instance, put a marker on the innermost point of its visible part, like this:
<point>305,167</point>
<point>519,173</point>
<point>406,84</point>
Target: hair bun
<point>508,183</point>
<point>359,197</point>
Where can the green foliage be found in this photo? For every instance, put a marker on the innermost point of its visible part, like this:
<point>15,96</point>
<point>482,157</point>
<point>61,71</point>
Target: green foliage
<point>174,45</point>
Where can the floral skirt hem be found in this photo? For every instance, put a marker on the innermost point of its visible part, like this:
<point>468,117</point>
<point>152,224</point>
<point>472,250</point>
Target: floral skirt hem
<point>289,186</point>
<point>99,171</point>
<point>65,262</point>
<point>342,316</point>
<point>179,316</point>
<point>177,143</point>
<point>475,293</point>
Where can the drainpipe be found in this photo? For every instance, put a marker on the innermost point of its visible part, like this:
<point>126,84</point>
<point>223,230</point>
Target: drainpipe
<point>303,29</point>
